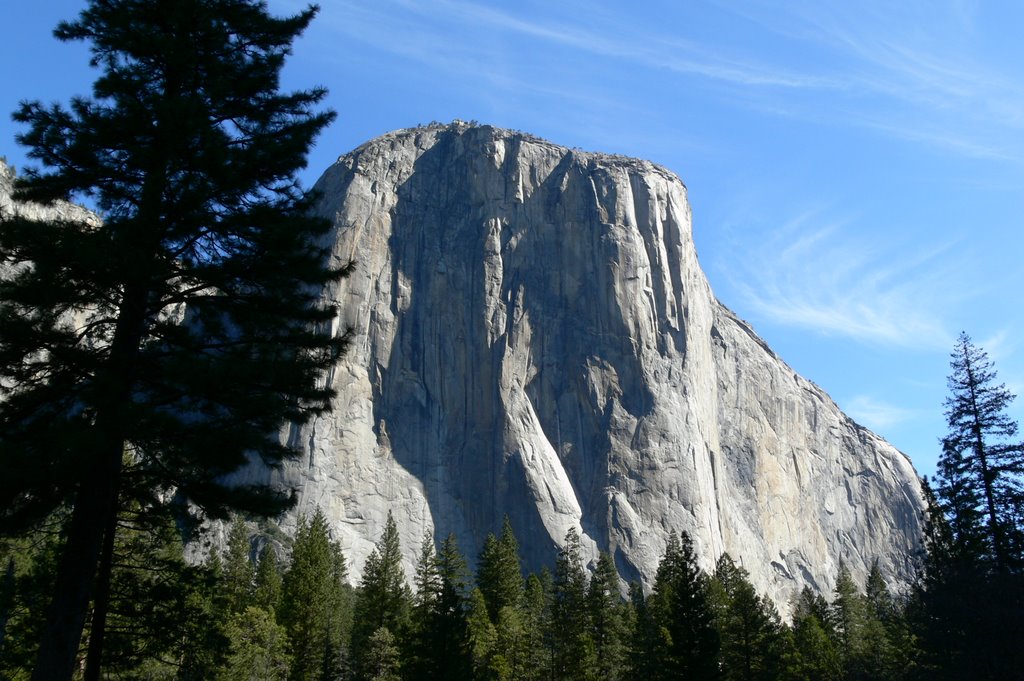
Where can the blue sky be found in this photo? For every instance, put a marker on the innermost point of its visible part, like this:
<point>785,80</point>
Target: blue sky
<point>856,170</point>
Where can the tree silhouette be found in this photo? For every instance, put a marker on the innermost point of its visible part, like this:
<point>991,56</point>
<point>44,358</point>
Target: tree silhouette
<point>981,470</point>
<point>146,359</point>
<point>972,591</point>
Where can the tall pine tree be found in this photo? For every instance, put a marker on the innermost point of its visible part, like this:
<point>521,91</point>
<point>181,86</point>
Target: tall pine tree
<point>981,470</point>
<point>189,151</point>
<point>440,638</point>
<point>572,646</point>
<point>972,596</point>
<point>238,572</point>
<point>848,617</point>
<point>383,600</point>
<point>816,655</point>
<point>315,602</point>
<point>687,643</point>
<point>749,626</point>
<point>609,620</point>
<point>499,575</point>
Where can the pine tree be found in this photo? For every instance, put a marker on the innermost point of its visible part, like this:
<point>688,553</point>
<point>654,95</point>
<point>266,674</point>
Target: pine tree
<point>258,648</point>
<point>537,606</point>
<point>383,599</point>
<point>971,596</point>
<point>440,639</point>
<point>848,616</point>
<point>30,570</point>
<point>891,650</point>
<point>573,649</point>
<point>189,151</point>
<point>451,630</point>
<point>608,619</point>
<point>749,626</point>
<point>383,659</point>
<point>267,590</point>
<point>204,644</point>
<point>648,640</point>
<point>981,471</point>
<point>681,608</point>
<point>499,574</point>
<point>482,636</point>
<point>816,656</point>
<point>427,580</point>
<point>425,605</point>
<point>315,608</point>
<point>238,570</point>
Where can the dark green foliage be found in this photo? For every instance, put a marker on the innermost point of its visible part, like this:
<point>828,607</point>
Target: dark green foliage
<point>889,647</point>
<point>572,646</point>
<point>29,565</point>
<point>382,659</point>
<point>816,655</point>
<point>848,616</point>
<point>258,647</point>
<point>646,637</point>
<point>609,621</point>
<point>968,622</point>
<point>537,641</point>
<point>189,151</point>
<point>267,593</point>
<point>981,471</point>
<point>165,618</point>
<point>482,636</point>
<point>315,602</point>
<point>383,599</point>
<point>238,571</point>
<point>448,634</point>
<point>440,635</point>
<point>753,645</point>
<point>685,641</point>
<point>499,575</point>
<point>969,608</point>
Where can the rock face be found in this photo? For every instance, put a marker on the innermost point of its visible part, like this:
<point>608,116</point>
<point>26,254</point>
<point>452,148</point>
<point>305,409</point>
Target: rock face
<point>535,337</point>
<point>60,210</point>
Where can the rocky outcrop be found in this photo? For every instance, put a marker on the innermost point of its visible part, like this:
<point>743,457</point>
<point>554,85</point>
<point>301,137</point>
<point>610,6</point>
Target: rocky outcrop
<point>535,337</point>
<point>60,210</point>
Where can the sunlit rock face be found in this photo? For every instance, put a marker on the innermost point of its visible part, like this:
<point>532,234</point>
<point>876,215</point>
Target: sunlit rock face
<point>61,210</point>
<point>533,336</point>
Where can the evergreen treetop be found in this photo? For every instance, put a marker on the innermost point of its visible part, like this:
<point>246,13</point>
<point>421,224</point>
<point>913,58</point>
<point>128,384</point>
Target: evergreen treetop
<point>981,470</point>
<point>499,574</point>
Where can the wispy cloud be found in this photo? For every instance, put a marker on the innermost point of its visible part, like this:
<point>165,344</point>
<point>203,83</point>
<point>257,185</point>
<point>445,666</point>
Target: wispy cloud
<point>607,39</point>
<point>877,414</point>
<point>815,274</point>
<point>826,63</point>
<point>935,86</point>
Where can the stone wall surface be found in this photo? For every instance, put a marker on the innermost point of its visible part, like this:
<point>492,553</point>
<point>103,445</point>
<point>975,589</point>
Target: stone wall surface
<point>534,336</point>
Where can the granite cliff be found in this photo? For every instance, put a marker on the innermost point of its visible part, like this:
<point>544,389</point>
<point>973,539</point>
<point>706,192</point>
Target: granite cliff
<point>534,337</point>
<point>60,210</point>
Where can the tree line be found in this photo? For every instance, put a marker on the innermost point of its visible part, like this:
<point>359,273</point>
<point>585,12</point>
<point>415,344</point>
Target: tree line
<point>277,607</point>
<point>250,613</point>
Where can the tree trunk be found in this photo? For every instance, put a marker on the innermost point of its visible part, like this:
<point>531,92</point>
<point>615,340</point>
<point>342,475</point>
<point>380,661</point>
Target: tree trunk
<point>95,512</point>
<point>101,607</point>
<point>65,620</point>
